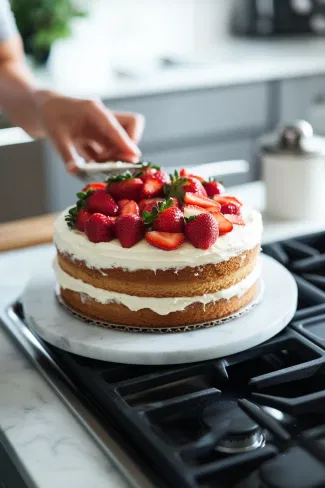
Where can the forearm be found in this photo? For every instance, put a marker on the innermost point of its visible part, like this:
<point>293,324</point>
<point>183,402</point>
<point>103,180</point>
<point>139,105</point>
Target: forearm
<point>19,96</point>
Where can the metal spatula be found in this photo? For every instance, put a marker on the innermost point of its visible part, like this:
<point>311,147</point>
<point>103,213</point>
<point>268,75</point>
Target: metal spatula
<point>94,170</point>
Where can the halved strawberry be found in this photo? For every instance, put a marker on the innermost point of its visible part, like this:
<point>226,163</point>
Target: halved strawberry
<point>224,224</point>
<point>81,219</point>
<point>147,173</point>
<point>101,202</point>
<point>236,219</point>
<point>193,185</point>
<point>99,228</point>
<point>94,186</point>
<point>130,207</point>
<point>151,188</point>
<point>122,202</point>
<point>225,199</point>
<point>193,210</point>
<point>202,231</point>
<point>186,172</point>
<point>181,185</point>
<point>230,208</point>
<point>165,240</point>
<point>129,229</point>
<point>192,199</point>
<point>125,186</point>
<point>213,187</point>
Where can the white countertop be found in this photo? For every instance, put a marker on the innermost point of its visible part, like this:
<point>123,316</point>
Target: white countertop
<point>52,446</point>
<point>235,61</point>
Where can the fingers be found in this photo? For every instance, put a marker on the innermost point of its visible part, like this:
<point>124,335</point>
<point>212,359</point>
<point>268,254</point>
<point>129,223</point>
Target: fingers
<point>133,123</point>
<point>66,150</point>
<point>112,130</point>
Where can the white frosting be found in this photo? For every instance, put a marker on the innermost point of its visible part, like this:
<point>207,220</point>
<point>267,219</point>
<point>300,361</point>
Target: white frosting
<point>161,306</point>
<point>144,256</point>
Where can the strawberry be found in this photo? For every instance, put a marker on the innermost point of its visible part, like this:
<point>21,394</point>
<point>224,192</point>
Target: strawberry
<point>129,229</point>
<point>232,208</point>
<point>94,186</point>
<point>192,199</point>
<point>71,217</point>
<point>165,217</point>
<point>225,199</point>
<point>181,185</point>
<point>165,240</point>
<point>224,224</point>
<point>185,172</point>
<point>131,207</point>
<point>147,173</point>
<point>161,176</point>
<point>148,203</point>
<point>99,228</point>
<point>121,203</point>
<point>169,220</point>
<point>125,186</point>
<point>202,231</point>
<point>81,219</point>
<point>213,187</point>
<point>151,188</point>
<point>147,170</point>
<point>193,210</point>
<point>101,202</point>
<point>236,219</point>
<point>193,185</point>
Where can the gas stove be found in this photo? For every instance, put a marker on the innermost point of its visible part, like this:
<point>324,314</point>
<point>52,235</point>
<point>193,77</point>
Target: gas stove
<point>251,420</point>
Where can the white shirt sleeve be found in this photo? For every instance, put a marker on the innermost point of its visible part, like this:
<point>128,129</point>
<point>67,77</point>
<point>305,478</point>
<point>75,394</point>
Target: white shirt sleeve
<point>8,28</point>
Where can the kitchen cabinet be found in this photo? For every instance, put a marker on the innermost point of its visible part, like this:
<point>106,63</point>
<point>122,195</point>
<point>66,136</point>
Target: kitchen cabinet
<point>180,116</point>
<point>303,98</point>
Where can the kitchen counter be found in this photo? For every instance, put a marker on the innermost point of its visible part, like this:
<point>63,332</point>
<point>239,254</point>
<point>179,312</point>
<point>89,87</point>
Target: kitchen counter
<point>235,61</point>
<point>52,448</point>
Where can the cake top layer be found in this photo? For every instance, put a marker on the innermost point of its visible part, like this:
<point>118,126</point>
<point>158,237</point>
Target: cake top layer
<point>132,219</point>
<point>144,256</point>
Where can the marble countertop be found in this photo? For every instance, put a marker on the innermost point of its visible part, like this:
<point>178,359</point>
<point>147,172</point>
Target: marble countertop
<point>234,61</point>
<point>53,447</point>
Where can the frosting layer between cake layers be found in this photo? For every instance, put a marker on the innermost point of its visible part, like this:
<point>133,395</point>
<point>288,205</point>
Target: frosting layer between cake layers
<point>161,306</point>
<point>111,254</point>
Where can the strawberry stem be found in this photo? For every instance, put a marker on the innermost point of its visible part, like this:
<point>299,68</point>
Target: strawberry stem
<point>71,217</point>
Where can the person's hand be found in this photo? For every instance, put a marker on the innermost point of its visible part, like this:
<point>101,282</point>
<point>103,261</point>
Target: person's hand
<point>88,128</point>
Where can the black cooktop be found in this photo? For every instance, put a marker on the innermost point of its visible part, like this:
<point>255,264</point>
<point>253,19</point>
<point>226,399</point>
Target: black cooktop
<point>252,420</point>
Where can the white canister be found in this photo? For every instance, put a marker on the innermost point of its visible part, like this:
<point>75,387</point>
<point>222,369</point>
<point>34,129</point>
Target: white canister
<point>294,174</point>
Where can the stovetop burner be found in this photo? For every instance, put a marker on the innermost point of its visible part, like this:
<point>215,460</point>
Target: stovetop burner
<point>252,420</point>
<point>242,433</point>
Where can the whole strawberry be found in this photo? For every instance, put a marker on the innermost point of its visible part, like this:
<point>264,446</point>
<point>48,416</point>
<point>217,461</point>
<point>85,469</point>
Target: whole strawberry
<point>129,229</point>
<point>202,231</point>
<point>165,217</point>
<point>181,185</point>
<point>161,176</point>
<point>99,228</point>
<point>125,186</point>
<point>81,219</point>
<point>169,220</point>
<point>213,187</point>
<point>101,202</point>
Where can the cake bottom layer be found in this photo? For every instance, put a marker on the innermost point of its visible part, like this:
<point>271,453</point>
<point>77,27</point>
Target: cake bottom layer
<point>195,313</point>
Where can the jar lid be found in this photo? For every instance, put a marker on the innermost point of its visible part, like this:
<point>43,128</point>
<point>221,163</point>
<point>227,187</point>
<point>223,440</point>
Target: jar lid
<point>297,138</point>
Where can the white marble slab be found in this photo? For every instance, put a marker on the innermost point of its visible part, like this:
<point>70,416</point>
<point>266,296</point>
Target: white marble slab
<point>57,326</point>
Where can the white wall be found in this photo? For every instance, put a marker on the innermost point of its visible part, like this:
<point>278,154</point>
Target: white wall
<point>126,29</point>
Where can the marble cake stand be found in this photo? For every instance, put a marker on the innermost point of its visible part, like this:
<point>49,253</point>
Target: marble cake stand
<point>58,327</point>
